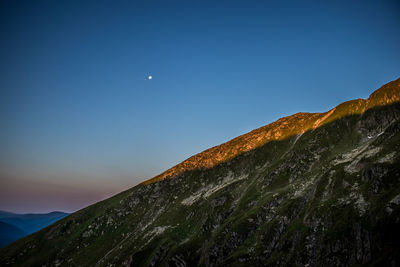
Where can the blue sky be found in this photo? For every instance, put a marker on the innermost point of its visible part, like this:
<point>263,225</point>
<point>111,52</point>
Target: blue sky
<point>80,121</point>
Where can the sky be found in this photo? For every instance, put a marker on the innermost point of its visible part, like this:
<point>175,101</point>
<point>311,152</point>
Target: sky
<point>81,121</point>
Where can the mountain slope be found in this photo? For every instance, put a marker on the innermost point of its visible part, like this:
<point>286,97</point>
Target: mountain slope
<point>308,189</point>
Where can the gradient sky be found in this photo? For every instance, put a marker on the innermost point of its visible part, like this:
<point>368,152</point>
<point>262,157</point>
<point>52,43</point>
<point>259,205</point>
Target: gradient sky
<point>80,121</point>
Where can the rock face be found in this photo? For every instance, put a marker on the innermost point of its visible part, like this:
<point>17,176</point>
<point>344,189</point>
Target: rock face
<point>306,190</point>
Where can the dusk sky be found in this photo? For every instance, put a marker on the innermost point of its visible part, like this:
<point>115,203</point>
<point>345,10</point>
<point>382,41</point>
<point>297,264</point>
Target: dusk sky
<point>81,120</point>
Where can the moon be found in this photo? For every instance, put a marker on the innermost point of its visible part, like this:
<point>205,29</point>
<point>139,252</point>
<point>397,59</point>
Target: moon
<point>150,77</point>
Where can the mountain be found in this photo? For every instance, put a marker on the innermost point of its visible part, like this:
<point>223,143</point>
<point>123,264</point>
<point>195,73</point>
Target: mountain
<point>9,233</point>
<point>31,222</point>
<point>14,226</point>
<point>311,189</point>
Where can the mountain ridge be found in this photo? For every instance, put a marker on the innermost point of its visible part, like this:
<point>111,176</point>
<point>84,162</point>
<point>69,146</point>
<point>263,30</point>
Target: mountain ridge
<point>31,222</point>
<point>385,95</point>
<point>17,225</point>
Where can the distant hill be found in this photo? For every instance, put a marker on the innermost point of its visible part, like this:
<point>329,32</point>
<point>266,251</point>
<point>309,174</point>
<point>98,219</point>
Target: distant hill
<point>14,226</point>
<point>9,233</point>
<point>31,222</point>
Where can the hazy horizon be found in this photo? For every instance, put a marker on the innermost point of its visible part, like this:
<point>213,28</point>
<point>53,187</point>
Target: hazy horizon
<point>82,121</point>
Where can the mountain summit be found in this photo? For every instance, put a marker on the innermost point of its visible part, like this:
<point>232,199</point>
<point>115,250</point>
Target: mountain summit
<point>310,189</point>
<point>281,129</point>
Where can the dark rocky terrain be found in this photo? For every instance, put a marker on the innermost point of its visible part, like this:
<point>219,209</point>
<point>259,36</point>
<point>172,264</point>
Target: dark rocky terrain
<point>311,189</point>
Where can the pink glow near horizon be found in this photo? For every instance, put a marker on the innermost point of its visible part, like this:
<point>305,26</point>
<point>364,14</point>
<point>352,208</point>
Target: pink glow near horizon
<point>21,195</point>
